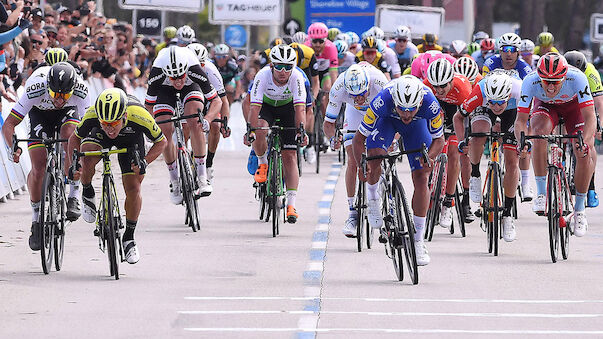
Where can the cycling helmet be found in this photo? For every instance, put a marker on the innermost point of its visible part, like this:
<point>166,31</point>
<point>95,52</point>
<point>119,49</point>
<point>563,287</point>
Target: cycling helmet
<point>576,59</point>
<point>276,41</point>
<point>318,30</point>
<point>169,32</point>
<point>527,46</point>
<point>402,32</point>
<point>376,32</point>
<point>430,38</point>
<point>440,72</point>
<point>342,47</point>
<point>467,67</point>
<point>54,55</point>
<point>545,39</point>
<point>356,80</point>
<point>457,47</point>
<point>552,66</point>
<point>353,37</point>
<point>200,51</point>
<point>498,86</point>
<point>344,37</point>
<point>283,54</point>
<point>300,37</point>
<point>185,34</point>
<point>487,45</point>
<point>381,45</point>
<point>177,64</point>
<point>472,47</point>
<point>369,42</point>
<point>61,78</point>
<point>479,36</point>
<point>221,49</point>
<point>332,33</point>
<point>111,105</point>
<point>509,39</point>
<point>407,91</point>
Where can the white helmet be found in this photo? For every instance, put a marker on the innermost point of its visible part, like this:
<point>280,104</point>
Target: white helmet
<point>407,91</point>
<point>527,45</point>
<point>300,37</point>
<point>185,34</point>
<point>440,72</point>
<point>481,35</point>
<point>466,66</point>
<point>402,32</point>
<point>376,32</point>
<point>498,86</point>
<point>356,80</point>
<point>458,46</point>
<point>509,39</point>
<point>177,64</point>
<point>200,51</point>
<point>344,37</point>
<point>354,37</point>
<point>221,49</point>
<point>283,54</point>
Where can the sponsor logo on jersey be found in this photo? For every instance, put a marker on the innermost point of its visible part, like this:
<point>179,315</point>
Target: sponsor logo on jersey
<point>584,93</point>
<point>36,87</point>
<point>436,122</point>
<point>378,103</point>
<point>434,107</point>
<point>369,117</point>
<point>287,91</point>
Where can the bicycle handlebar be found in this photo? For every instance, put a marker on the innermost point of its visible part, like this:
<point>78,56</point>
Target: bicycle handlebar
<point>395,155</point>
<point>251,137</point>
<point>552,138</point>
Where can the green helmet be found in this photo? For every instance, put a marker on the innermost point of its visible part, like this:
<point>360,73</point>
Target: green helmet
<point>545,39</point>
<point>170,32</point>
<point>333,33</point>
<point>111,105</point>
<point>472,47</point>
<point>55,55</point>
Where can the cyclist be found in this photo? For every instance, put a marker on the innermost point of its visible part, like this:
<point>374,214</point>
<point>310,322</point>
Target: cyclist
<point>345,57</point>
<point>215,128</point>
<point>403,46</point>
<point>422,61</point>
<point>371,55</point>
<point>545,44</point>
<point>184,35</point>
<point>354,42</point>
<point>278,92</point>
<point>228,69</point>
<point>55,97</point>
<point>388,54</point>
<point>451,89</point>
<point>458,48</point>
<point>299,37</point>
<point>121,121</point>
<point>408,107</point>
<point>479,36</point>
<point>486,50</point>
<point>429,43</point>
<point>527,53</point>
<point>169,33</point>
<point>176,70</point>
<point>559,91</point>
<point>468,67</point>
<point>355,88</point>
<point>495,96</point>
<point>578,60</point>
<point>333,32</point>
<point>326,59</point>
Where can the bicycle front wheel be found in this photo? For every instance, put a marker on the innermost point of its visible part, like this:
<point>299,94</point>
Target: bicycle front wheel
<point>435,202</point>
<point>188,190</point>
<point>553,214</point>
<point>565,202</point>
<point>59,232</point>
<point>459,210</point>
<point>360,201</point>
<point>47,221</point>
<point>275,192</point>
<point>406,230</point>
<point>110,225</point>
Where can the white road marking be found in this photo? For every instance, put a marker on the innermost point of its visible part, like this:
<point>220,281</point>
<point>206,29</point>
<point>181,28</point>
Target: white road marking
<point>315,266</point>
<point>385,330</point>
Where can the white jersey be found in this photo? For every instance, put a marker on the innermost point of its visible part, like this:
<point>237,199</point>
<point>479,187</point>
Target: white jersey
<point>36,95</point>
<point>339,95</point>
<point>348,60</point>
<point>391,58</point>
<point>214,77</point>
<point>265,91</point>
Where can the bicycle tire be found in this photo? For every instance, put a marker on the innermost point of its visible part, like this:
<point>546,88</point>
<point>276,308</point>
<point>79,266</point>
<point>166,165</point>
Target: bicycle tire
<point>370,234</point>
<point>487,209</point>
<point>299,160</point>
<point>360,201</point>
<point>318,139</point>
<point>273,193</point>
<point>496,210</point>
<point>110,227</point>
<point>59,232</point>
<point>406,231</point>
<point>565,203</point>
<point>46,220</point>
<point>435,203</point>
<point>262,198</point>
<point>553,214</point>
<point>459,210</point>
<point>187,187</point>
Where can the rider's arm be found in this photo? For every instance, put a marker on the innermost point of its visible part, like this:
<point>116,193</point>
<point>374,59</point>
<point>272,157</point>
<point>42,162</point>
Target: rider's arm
<point>8,129</point>
<point>314,77</point>
<point>156,78</point>
<point>358,146</point>
<point>214,108</point>
<point>590,123</point>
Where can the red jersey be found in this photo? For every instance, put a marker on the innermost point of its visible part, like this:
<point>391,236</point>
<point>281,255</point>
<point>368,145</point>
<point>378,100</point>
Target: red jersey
<point>461,89</point>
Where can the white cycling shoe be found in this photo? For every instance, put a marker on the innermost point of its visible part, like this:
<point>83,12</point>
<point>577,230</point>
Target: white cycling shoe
<point>475,189</point>
<point>446,217</point>
<point>349,229</point>
<point>508,229</point>
<point>375,218</point>
<point>132,255</point>
<point>175,193</point>
<point>423,258</point>
<point>539,204</point>
<point>578,223</point>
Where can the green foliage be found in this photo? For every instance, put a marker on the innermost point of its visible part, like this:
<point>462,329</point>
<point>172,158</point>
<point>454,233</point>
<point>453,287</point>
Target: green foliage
<point>205,30</point>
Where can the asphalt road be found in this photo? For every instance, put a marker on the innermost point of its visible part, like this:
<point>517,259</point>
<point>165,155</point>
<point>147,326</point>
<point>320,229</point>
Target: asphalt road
<point>234,280</point>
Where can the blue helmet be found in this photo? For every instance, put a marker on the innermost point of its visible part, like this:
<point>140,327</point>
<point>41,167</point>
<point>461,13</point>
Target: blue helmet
<point>356,80</point>
<point>342,47</point>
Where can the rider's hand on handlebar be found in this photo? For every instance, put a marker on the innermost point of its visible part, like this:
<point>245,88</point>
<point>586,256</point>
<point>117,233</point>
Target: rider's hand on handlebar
<point>523,152</point>
<point>14,154</point>
<point>426,164</point>
<point>463,147</point>
<point>362,176</point>
<point>582,151</point>
<point>205,126</point>
<point>303,140</point>
<point>335,143</point>
<point>225,131</point>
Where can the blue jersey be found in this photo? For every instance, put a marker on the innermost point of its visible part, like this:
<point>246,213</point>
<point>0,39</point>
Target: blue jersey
<point>383,107</point>
<point>405,58</point>
<point>495,62</point>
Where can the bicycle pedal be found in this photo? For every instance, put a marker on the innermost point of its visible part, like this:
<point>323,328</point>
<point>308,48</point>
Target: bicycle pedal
<point>382,239</point>
<point>96,232</point>
<point>478,213</point>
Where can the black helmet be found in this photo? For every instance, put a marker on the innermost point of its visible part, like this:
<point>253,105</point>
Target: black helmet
<point>61,78</point>
<point>576,59</point>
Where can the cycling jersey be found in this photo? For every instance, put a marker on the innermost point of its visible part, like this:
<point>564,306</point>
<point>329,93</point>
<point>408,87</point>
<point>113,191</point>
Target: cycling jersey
<point>495,62</point>
<point>229,71</point>
<point>306,60</point>
<point>266,91</point>
<point>215,78</point>
<point>392,61</point>
<point>424,48</point>
<point>594,80</point>
<point>537,50</point>
<point>461,88</point>
<point>348,60</point>
<point>477,97</point>
<point>327,60</point>
<point>405,58</point>
<point>419,66</point>
<point>378,62</point>
<point>36,96</point>
<point>480,59</point>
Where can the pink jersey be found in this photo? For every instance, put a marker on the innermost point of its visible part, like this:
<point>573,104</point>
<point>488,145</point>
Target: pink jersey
<point>326,60</point>
<point>419,66</point>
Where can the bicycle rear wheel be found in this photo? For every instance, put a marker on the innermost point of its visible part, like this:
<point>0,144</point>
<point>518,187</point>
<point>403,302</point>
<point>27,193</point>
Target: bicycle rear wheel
<point>566,203</point>
<point>59,232</point>
<point>435,202</point>
<point>318,138</point>
<point>360,201</point>
<point>495,206</point>
<point>47,221</point>
<point>110,225</point>
<point>459,209</point>
<point>553,214</point>
<point>406,231</point>
<point>188,191</point>
<point>262,199</point>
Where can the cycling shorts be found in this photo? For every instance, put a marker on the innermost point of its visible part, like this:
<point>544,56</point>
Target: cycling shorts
<point>569,111</point>
<point>98,137</point>
<point>286,116</point>
<point>166,100</point>
<point>507,121</point>
<point>43,124</point>
<point>414,135</point>
<point>353,118</point>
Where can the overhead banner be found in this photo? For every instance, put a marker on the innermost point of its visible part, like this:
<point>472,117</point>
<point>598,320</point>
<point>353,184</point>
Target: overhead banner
<point>247,12</point>
<point>164,5</point>
<point>347,15</point>
<point>420,19</point>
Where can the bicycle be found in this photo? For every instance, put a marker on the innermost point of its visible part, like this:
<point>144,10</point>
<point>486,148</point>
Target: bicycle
<point>559,198</point>
<point>398,230</point>
<point>341,154</point>
<point>272,192</point>
<point>186,166</point>
<point>319,134</point>
<point>108,217</point>
<point>53,203</point>
<point>437,189</point>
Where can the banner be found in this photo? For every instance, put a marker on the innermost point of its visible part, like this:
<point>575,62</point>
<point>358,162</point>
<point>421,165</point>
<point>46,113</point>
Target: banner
<point>165,5</point>
<point>420,19</point>
<point>347,15</point>
<point>249,12</point>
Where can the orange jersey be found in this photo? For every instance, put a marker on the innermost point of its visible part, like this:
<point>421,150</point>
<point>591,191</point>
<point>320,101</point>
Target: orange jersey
<point>461,89</point>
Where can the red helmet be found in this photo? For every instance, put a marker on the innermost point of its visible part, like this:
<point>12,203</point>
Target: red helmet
<point>487,44</point>
<point>552,66</point>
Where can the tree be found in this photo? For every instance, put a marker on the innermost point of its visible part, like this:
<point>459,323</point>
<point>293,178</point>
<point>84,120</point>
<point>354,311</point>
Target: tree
<point>484,18</point>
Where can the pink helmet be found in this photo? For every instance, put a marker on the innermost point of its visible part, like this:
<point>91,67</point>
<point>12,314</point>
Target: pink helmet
<point>318,30</point>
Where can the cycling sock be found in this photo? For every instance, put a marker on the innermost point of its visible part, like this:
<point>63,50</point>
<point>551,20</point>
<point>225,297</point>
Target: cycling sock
<point>35,208</point>
<point>263,159</point>
<point>371,191</point>
<point>291,195</point>
<point>508,206</point>
<point>525,177</point>
<point>129,232</point>
<point>540,185</point>
<point>591,187</point>
<point>419,227</point>
<point>210,159</point>
<point>580,199</point>
<point>475,170</point>
<point>201,169</point>
<point>173,169</point>
<point>465,200</point>
<point>74,188</point>
<point>448,200</point>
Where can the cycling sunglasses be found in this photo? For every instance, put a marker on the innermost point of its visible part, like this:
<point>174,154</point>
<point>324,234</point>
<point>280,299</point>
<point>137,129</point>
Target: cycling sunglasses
<point>359,95</point>
<point>56,95</point>
<point>178,78</point>
<point>509,49</point>
<point>401,40</point>
<point>497,102</point>
<point>283,67</point>
<point>551,81</point>
<point>318,41</point>
<point>441,86</point>
<point>407,109</point>
<point>369,52</point>
<point>221,56</point>
<point>111,124</point>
